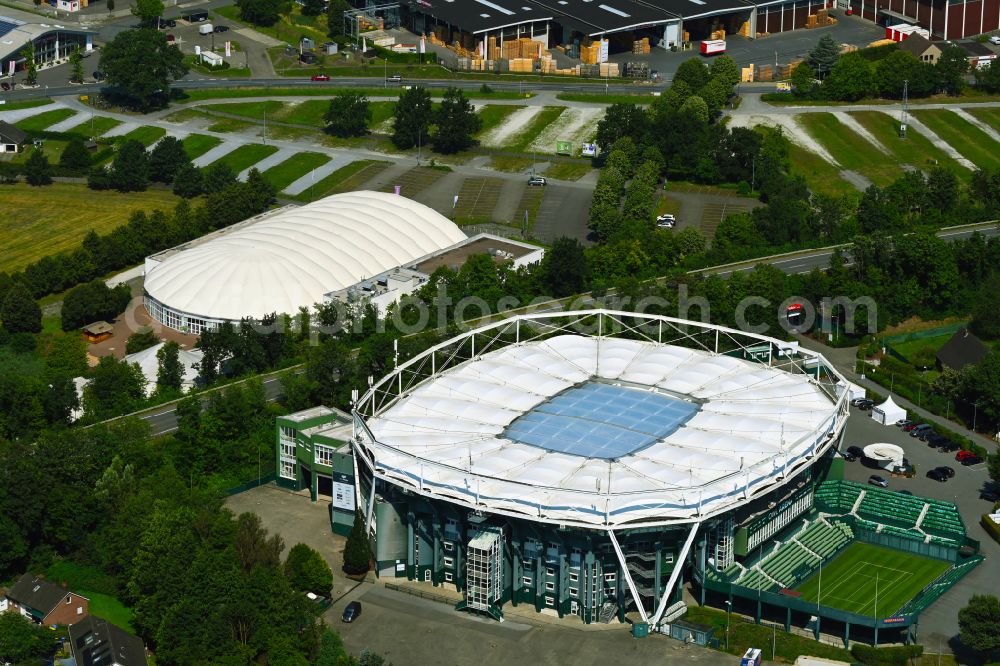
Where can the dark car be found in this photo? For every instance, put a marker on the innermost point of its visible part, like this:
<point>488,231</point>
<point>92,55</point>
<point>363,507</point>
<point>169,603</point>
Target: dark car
<point>877,480</point>
<point>971,460</point>
<point>990,495</point>
<point>848,456</point>
<point>935,440</point>
<point>937,475</point>
<point>4,85</point>
<point>98,76</point>
<point>921,430</point>
<point>222,28</point>
<point>947,471</point>
<point>865,404</point>
<point>351,612</point>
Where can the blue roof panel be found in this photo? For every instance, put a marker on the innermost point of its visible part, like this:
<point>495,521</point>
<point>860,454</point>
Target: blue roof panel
<point>597,420</point>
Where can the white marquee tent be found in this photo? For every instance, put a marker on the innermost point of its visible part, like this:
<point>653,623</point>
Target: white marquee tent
<point>888,412</point>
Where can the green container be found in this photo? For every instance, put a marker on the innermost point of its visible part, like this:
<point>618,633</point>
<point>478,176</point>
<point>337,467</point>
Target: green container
<point>640,630</point>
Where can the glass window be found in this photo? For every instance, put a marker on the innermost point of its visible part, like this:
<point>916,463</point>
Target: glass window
<point>527,581</point>
<point>287,469</point>
<point>574,577</point>
<point>550,572</point>
<point>573,591</point>
<point>324,455</point>
<point>549,602</point>
<point>610,577</point>
<point>448,577</point>
<point>550,586</point>
<point>449,562</point>
<point>448,546</point>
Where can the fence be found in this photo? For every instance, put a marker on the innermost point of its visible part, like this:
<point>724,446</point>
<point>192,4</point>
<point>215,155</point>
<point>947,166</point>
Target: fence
<point>430,596</point>
<point>898,542</point>
<point>250,485</point>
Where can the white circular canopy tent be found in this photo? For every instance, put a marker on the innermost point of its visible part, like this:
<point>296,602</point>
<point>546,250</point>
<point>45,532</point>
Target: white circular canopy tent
<point>292,259</point>
<point>887,456</point>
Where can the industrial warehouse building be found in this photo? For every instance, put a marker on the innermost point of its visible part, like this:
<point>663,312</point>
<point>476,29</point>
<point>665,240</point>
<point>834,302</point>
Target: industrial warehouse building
<point>347,247</point>
<point>594,463</point>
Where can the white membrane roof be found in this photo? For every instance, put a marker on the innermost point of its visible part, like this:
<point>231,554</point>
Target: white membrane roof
<point>448,436</point>
<point>291,260</point>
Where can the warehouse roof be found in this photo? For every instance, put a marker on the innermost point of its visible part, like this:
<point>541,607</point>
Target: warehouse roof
<point>603,431</point>
<point>293,259</point>
<point>483,15</point>
<point>594,18</point>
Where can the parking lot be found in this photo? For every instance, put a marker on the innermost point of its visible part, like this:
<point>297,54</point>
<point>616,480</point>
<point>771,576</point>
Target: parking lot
<point>940,622</point>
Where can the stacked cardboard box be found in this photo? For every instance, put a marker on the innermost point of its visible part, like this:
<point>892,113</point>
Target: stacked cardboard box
<point>521,48</point>
<point>765,73</point>
<point>521,65</point>
<point>747,74</point>
<point>641,46</point>
<point>717,34</point>
<point>609,69</point>
<point>745,29</point>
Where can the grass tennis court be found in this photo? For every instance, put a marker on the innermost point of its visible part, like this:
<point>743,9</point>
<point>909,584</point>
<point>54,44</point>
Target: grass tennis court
<point>849,582</point>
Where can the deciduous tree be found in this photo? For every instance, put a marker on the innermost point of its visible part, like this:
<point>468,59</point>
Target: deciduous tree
<point>307,571</point>
<point>564,268</point>
<point>166,159</point>
<point>148,12</point>
<point>141,64</point>
<point>950,70</point>
<point>850,80</point>
<point>348,115</point>
<point>456,123</point>
<point>20,313</point>
<point>412,118</point>
<point>978,623</point>
<point>170,370</point>
<point>188,181</point>
<point>75,158</point>
<point>130,169</point>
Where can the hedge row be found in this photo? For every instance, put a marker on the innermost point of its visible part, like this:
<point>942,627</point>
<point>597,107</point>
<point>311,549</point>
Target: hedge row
<point>897,655</point>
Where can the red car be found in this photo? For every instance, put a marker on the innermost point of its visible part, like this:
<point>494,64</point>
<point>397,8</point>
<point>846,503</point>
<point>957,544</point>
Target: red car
<point>962,455</point>
<point>910,426</point>
<point>320,77</point>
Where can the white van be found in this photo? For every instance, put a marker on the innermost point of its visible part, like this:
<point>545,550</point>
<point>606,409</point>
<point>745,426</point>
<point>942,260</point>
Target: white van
<point>205,29</point>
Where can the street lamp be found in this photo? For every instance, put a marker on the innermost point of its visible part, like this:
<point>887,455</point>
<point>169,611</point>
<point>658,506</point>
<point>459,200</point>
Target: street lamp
<point>975,412</point>
<point>729,612</point>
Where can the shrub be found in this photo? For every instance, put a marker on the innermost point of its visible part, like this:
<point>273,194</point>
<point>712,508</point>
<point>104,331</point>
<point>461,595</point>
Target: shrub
<point>991,528</point>
<point>898,655</point>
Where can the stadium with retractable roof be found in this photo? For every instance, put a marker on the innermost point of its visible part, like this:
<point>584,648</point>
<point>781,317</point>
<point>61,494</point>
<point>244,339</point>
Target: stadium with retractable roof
<point>595,463</point>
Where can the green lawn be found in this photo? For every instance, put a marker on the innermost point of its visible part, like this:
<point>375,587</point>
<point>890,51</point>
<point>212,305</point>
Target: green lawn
<point>284,174</point>
<point>971,142</point>
<point>203,94</point>
<point>345,179</point>
<point>246,156</point>
<point>851,581</point>
<point>915,149</point>
<point>568,170</point>
<point>96,127</point>
<point>196,145</point>
<point>821,176</point>
<point>851,150</point>
<point>309,112</point>
<point>989,115</point>
<point>109,608</point>
<point>601,98</point>
<point>26,104</point>
<point>55,218</point>
<point>146,135</point>
<point>543,119</point>
<point>44,119</point>
<point>925,346</point>
<point>510,163</point>
<point>231,125</point>
<point>493,114</point>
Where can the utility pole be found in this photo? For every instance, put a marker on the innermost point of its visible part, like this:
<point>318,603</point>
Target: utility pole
<point>975,413</point>
<point>876,607</point>
<point>905,109</point>
<point>265,124</point>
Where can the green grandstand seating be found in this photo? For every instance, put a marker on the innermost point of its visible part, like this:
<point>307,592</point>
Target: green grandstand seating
<point>822,538</point>
<point>890,508</point>
<point>836,496</point>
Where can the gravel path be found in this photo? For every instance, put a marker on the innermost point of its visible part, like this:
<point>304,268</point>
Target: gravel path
<point>993,134</point>
<point>221,150</point>
<point>515,123</point>
<point>791,128</point>
<point>575,125</point>
<point>64,125</point>
<point>849,121</point>
<point>20,114</point>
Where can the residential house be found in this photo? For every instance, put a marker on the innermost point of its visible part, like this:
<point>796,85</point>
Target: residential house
<point>12,138</point>
<point>45,602</point>
<point>924,49</point>
<point>979,55</point>
<point>963,349</point>
<point>96,642</point>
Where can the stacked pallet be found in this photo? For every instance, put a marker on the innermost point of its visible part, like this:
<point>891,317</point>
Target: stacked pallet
<point>609,69</point>
<point>521,48</point>
<point>718,34</point>
<point>880,42</point>
<point>640,46</point>
<point>521,65</point>
<point>686,37</point>
<point>765,73</point>
<point>747,74</point>
<point>547,65</point>
<point>590,54</point>
<point>745,29</point>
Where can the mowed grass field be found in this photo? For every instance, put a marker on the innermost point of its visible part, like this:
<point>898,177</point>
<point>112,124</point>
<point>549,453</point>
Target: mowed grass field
<point>915,149</point>
<point>44,119</point>
<point>54,218</point>
<point>989,115</point>
<point>971,142</point>
<point>284,174</point>
<point>851,150</point>
<point>246,156</point>
<point>849,582</point>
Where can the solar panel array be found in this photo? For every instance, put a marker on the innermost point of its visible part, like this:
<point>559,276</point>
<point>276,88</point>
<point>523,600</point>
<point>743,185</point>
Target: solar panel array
<point>7,24</point>
<point>598,420</point>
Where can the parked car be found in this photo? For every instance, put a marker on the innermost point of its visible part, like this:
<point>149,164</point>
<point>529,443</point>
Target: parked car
<point>536,181</point>
<point>910,426</point>
<point>351,612</point>
<point>971,460</point>
<point>866,404</point>
<point>4,85</point>
<point>995,40</point>
<point>903,422</point>
<point>877,480</point>
<point>990,495</point>
<point>920,430</point>
<point>320,77</point>
<point>934,439</point>
<point>222,28</point>
<point>947,471</point>
<point>962,455</point>
<point>856,451</point>
<point>937,475</point>
<point>170,37</point>
<point>856,401</point>
<point>848,456</point>
<point>949,446</point>
<point>98,76</point>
